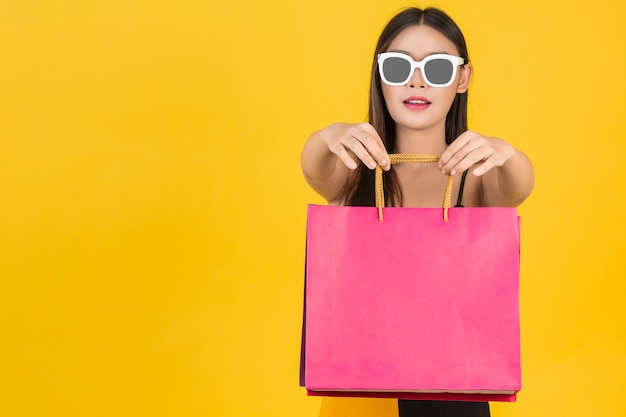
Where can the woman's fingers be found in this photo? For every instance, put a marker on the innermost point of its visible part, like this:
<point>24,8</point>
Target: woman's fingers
<point>485,166</point>
<point>363,141</point>
<point>371,142</point>
<point>471,148</point>
<point>342,154</point>
<point>464,152</point>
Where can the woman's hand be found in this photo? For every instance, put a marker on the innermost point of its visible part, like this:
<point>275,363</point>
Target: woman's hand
<point>508,184</point>
<point>471,148</point>
<point>328,157</point>
<point>361,139</point>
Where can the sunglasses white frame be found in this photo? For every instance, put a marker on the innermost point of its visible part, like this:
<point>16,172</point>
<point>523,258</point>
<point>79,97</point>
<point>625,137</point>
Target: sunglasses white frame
<point>454,60</point>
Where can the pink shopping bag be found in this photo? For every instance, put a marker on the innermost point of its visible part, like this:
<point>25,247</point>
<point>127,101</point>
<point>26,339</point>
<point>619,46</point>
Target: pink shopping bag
<point>412,306</point>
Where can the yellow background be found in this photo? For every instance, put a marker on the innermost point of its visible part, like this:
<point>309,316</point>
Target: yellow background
<point>152,209</point>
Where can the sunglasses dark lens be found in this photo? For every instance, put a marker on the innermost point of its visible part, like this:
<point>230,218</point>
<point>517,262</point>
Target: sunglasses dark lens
<point>439,71</point>
<point>396,70</point>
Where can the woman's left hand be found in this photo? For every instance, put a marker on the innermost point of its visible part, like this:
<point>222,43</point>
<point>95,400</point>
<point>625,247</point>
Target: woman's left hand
<point>472,148</point>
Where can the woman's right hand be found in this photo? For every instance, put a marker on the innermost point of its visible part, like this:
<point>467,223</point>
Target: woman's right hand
<point>361,139</point>
<point>328,157</point>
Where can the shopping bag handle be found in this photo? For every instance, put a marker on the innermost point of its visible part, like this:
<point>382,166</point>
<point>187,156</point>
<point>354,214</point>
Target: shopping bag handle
<point>399,158</point>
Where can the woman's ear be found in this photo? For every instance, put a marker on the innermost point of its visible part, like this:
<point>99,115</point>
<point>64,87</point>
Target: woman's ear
<point>464,78</point>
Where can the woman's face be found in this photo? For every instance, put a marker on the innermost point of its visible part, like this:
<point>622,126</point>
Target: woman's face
<point>416,105</point>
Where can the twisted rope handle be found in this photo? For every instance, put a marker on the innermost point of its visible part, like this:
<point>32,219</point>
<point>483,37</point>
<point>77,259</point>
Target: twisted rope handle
<point>415,158</point>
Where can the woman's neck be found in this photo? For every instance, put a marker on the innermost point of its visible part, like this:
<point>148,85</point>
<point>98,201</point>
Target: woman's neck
<point>427,141</point>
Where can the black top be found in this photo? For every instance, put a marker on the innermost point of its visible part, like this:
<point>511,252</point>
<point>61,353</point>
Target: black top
<point>458,201</point>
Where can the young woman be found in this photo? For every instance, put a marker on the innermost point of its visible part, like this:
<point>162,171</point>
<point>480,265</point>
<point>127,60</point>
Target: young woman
<point>418,105</point>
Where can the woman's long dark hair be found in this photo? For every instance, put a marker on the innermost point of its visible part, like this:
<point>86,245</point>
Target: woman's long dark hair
<point>359,190</point>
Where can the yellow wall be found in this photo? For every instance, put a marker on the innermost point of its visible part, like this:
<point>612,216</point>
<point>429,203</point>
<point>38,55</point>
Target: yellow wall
<point>152,210</point>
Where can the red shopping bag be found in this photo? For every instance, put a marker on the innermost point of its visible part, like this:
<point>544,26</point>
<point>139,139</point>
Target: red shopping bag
<point>412,302</point>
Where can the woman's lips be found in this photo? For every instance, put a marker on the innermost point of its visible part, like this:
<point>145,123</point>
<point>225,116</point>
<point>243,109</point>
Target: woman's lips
<point>416,103</point>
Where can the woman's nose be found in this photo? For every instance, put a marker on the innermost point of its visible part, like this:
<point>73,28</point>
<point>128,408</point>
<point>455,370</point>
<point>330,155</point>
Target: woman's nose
<point>417,81</point>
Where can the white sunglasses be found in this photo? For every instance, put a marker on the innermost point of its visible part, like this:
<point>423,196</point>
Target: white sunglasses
<point>437,70</point>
